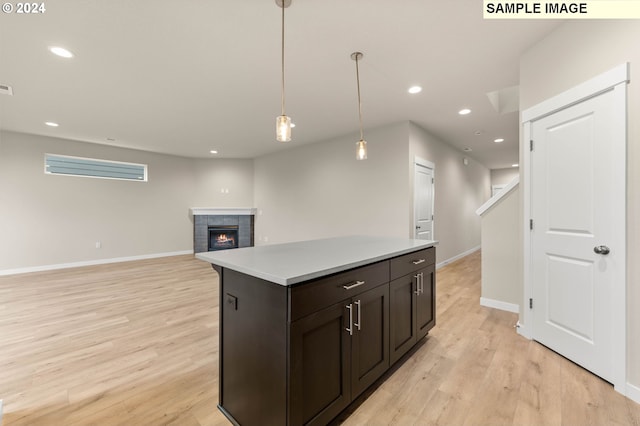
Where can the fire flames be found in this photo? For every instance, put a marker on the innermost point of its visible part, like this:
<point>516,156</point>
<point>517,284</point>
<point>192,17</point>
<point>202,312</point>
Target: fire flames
<point>222,239</point>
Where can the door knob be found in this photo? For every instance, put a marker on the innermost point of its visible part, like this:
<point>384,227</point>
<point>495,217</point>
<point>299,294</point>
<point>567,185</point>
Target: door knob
<point>601,249</point>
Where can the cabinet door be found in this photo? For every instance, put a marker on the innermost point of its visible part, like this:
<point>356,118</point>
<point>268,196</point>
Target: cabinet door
<point>426,301</point>
<point>320,366</point>
<point>402,315</point>
<point>370,340</point>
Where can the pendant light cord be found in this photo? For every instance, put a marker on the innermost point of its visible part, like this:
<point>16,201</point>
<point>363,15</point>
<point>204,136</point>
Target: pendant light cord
<point>283,57</point>
<point>359,101</point>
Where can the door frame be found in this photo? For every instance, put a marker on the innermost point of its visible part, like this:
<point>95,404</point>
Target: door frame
<point>421,162</point>
<point>615,79</point>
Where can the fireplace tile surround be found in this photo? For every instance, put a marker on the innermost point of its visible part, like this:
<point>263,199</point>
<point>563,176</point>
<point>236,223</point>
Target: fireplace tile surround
<point>204,217</point>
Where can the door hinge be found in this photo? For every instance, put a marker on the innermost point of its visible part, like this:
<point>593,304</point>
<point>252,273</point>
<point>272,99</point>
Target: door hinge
<point>531,224</point>
<point>530,303</point>
<point>531,145</point>
<point>433,180</point>
<point>432,217</point>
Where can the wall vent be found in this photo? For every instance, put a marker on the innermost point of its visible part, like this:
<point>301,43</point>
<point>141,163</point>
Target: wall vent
<point>6,90</point>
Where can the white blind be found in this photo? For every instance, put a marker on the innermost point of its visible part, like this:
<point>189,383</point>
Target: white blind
<point>91,167</point>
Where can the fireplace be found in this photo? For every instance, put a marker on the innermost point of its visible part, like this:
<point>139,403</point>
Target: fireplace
<point>223,237</point>
<point>234,223</point>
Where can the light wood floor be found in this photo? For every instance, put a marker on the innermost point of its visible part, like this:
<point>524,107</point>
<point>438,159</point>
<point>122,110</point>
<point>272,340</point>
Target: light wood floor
<point>136,344</point>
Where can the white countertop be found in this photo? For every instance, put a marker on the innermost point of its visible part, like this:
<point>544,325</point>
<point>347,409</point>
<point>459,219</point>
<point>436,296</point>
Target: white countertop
<point>291,263</point>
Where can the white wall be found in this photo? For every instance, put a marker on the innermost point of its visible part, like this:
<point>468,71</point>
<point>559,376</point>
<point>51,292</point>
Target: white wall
<point>504,176</point>
<point>501,251</point>
<point>578,51</point>
<point>212,176</point>
<point>310,191</point>
<point>320,190</point>
<point>459,191</point>
<point>54,220</point>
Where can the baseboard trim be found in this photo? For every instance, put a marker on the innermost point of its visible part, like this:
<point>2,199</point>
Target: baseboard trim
<point>454,258</point>
<point>633,392</point>
<point>523,330</point>
<point>4,272</point>
<point>498,304</point>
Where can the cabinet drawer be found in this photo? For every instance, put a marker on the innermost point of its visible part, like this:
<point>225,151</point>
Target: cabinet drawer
<point>314,295</point>
<point>403,265</point>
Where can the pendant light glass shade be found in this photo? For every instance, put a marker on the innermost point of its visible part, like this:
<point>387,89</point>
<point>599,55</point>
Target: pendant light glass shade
<point>361,153</point>
<point>283,123</point>
<point>283,128</point>
<point>361,145</point>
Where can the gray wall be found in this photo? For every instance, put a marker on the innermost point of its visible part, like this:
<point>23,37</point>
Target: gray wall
<point>212,176</point>
<point>578,51</point>
<point>321,190</point>
<point>53,220</point>
<point>459,191</point>
<point>504,176</point>
<point>501,250</point>
<point>311,191</point>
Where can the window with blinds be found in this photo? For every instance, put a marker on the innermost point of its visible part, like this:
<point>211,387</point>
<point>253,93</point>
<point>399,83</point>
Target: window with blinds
<point>94,168</point>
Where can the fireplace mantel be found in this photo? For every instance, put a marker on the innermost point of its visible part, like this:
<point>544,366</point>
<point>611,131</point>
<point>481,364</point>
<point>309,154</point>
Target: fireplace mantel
<point>223,211</point>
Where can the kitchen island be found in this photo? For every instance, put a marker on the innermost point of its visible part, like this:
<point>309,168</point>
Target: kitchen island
<point>306,327</point>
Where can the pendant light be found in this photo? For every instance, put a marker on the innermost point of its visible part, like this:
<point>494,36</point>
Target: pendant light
<point>361,150</point>
<point>283,123</point>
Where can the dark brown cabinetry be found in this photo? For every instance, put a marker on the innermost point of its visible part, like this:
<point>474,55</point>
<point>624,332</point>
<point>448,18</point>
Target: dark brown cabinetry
<point>298,355</point>
<point>370,340</point>
<point>337,353</point>
<point>320,366</point>
<point>412,300</point>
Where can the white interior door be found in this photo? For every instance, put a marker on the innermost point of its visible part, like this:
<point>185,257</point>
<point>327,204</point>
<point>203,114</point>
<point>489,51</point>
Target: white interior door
<point>576,254</point>
<point>424,183</point>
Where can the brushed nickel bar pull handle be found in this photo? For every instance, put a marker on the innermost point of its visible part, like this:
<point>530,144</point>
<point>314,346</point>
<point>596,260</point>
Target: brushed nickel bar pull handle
<point>421,282</point>
<point>356,284</point>
<point>357,303</point>
<point>417,262</point>
<point>417,277</point>
<point>350,328</point>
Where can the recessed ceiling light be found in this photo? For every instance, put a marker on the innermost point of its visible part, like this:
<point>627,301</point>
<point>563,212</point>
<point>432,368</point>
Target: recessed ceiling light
<point>464,111</point>
<point>467,149</point>
<point>415,89</point>
<point>293,125</point>
<point>213,151</point>
<point>498,140</point>
<point>515,165</point>
<point>51,124</point>
<point>61,51</point>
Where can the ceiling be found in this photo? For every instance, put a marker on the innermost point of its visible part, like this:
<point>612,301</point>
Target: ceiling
<point>187,77</point>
